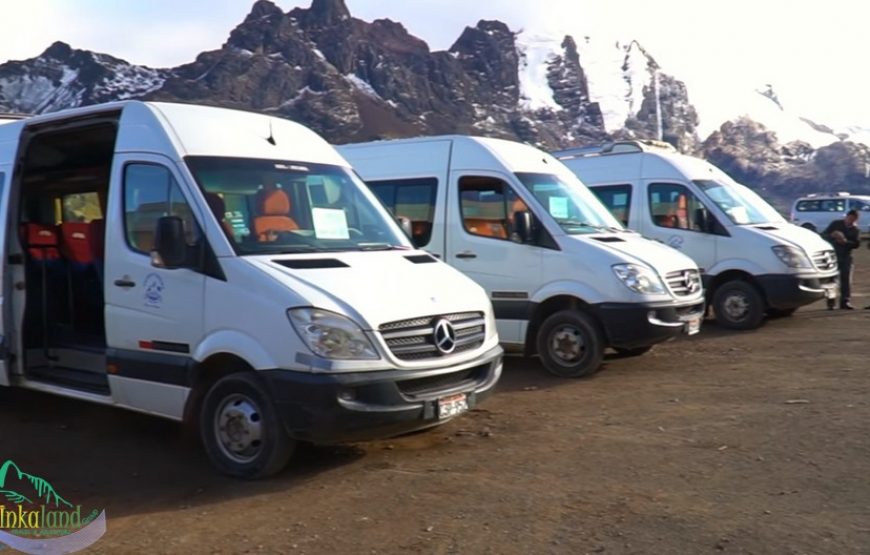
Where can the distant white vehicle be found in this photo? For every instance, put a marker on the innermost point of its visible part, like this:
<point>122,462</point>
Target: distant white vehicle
<point>566,280</point>
<point>816,211</point>
<point>753,261</point>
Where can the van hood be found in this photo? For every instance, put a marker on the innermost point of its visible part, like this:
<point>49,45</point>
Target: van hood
<point>375,287</point>
<point>783,232</point>
<point>636,248</point>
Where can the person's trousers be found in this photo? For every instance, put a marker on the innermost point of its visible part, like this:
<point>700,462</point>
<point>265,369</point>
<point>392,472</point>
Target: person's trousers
<point>845,264</point>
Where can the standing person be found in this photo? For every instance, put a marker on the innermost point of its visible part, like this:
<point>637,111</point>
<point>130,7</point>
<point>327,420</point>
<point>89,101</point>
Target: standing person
<point>844,236</point>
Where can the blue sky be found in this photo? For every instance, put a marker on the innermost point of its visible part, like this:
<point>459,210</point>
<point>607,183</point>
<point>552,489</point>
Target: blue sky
<point>812,52</point>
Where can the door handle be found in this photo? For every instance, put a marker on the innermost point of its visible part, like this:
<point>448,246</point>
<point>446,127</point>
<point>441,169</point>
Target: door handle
<point>125,283</point>
<point>466,254</point>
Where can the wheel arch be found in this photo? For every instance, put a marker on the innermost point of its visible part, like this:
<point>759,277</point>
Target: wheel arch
<point>550,306</point>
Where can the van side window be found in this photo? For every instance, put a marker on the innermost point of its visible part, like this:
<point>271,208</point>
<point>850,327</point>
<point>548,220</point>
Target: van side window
<point>488,206</point>
<point>808,206</point>
<point>617,199</point>
<point>410,198</point>
<point>833,205</point>
<point>81,207</point>
<point>673,205</point>
<point>860,205</point>
<point>150,192</point>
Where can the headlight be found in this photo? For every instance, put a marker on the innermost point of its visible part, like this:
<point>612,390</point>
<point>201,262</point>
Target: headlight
<point>639,279</point>
<point>792,257</point>
<point>331,335</point>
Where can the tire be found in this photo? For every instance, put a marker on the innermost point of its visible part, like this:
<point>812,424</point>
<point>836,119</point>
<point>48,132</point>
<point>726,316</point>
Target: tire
<point>781,312</point>
<point>738,306</point>
<point>636,352</point>
<point>583,344</point>
<point>240,402</point>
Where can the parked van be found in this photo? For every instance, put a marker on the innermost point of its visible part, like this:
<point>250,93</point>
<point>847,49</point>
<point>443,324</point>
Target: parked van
<point>229,270</point>
<point>752,260</point>
<point>565,278</point>
<point>815,212</point>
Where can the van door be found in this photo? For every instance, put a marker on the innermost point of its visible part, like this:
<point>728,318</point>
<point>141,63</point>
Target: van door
<point>483,244</point>
<point>675,216</point>
<point>5,308</point>
<point>154,316</point>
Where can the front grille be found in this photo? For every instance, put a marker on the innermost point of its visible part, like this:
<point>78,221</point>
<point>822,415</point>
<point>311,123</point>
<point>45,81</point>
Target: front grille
<point>825,260</point>
<point>442,382</point>
<point>683,283</point>
<point>414,339</point>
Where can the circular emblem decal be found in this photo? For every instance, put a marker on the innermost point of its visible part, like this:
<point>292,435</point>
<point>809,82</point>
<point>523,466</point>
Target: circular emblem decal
<point>444,337</point>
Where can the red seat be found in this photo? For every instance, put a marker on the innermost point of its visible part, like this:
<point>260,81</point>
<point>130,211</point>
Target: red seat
<point>41,241</point>
<point>79,243</point>
<point>275,215</point>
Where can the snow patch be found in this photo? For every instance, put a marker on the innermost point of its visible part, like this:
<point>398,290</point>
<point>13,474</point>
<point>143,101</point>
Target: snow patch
<point>536,53</point>
<point>363,86</point>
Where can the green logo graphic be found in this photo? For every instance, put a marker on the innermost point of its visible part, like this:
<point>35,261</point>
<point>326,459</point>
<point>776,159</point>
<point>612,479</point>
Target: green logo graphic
<point>36,519</point>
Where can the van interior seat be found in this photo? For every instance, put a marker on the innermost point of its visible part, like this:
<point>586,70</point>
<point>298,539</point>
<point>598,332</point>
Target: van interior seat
<point>487,227</point>
<point>274,209</point>
<point>79,244</point>
<point>41,241</point>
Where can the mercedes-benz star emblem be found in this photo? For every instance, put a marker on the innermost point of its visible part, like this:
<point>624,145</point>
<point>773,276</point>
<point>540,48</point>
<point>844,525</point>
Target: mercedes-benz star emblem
<point>445,337</point>
<point>690,282</point>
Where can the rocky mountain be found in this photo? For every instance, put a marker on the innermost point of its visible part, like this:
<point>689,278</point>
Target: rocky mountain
<point>354,80</point>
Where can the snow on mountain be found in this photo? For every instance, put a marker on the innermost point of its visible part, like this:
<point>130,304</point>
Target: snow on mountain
<point>763,106</point>
<point>536,53</point>
<point>617,74</point>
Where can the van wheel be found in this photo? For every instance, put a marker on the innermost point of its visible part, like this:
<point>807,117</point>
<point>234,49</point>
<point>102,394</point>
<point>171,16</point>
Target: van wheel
<point>636,352</point>
<point>241,431</point>
<point>738,306</point>
<point>570,344</point>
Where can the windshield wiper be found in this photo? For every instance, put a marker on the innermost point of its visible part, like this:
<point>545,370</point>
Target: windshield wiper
<point>577,223</point>
<point>379,247</point>
<point>287,249</point>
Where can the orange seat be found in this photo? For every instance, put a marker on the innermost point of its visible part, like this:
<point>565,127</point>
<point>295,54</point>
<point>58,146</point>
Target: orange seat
<point>274,209</point>
<point>487,228</point>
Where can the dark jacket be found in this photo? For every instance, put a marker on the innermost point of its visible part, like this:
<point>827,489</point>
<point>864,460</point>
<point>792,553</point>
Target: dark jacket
<point>852,235</point>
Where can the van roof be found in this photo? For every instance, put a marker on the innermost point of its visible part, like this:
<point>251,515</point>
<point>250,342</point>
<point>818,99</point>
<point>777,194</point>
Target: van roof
<point>189,129</point>
<point>480,153</point>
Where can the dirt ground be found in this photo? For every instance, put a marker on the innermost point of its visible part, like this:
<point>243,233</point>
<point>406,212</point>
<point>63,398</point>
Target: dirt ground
<point>728,442</point>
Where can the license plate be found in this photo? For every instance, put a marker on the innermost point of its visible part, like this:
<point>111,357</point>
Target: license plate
<point>693,325</point>
<point>451,406</point>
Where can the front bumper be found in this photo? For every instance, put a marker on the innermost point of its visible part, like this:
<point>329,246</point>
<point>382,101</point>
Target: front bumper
<point>357,406</point>
<point>634,325</point>
<point>786,291</point>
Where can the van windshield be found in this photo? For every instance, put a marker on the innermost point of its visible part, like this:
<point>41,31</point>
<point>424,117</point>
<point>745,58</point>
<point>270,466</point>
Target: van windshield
<point>742,205</point>
<point>570,204</point>
<point>274,206</point>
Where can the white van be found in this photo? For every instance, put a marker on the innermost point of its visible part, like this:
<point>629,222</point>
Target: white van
<point>226,269</point>
<point>816,211</point>
<point>565,278</point>
<point>752,260</point>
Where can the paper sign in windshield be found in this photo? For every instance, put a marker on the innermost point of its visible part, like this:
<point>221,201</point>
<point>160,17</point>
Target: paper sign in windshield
<point>330,223</point>
<point>559,207</point>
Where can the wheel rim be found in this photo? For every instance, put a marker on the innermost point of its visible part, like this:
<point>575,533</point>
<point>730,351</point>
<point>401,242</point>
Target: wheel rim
<point>736,306</point>
<point>567,345</point>
<point>238,428</point>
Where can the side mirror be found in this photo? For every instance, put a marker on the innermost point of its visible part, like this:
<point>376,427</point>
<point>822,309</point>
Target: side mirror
<point>170,245</point>
<point>523,225</point>
<point>405,224</point>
